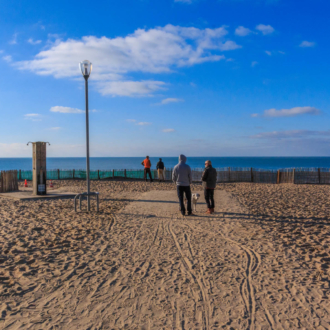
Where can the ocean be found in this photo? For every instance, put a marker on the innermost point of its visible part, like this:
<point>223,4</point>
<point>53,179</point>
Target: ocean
<point>107,163</point>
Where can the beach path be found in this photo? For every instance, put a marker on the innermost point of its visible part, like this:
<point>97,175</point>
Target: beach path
<point>151,268</point>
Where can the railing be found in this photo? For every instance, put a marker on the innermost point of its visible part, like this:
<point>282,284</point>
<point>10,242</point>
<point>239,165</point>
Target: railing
<point>228,174</point>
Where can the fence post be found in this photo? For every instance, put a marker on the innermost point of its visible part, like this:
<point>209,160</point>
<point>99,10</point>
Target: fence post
<point>278,176</point>
<point>98,174</point>
<point>113,174</point>
<point>125,173</point>
<point>229,174</point>
<point>58,174</point>
<point>20,175</point>
<point>73,173</point>
<point>319,173</point>
<point>251,175</point>
<point>293,175</point>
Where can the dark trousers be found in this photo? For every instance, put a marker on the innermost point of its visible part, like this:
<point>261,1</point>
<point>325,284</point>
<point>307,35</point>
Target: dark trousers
<point>147,171</point>
<point>181,191</point>
<point>209,198</point>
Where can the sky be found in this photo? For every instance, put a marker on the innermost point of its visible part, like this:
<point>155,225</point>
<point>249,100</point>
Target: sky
<point>199,77</point>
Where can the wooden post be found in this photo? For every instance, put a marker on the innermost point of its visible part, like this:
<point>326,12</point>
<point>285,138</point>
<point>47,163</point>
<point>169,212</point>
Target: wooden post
<point>229,174</point>
<point>278,180</point>
<point>20,175</point>
<point>98,174</point>
<point>39,170</point>
<point>113,174</point>
<point>73,173</point>
<point>319,173</point>
<point>293,172</point>
<point>125,173</point>
<point>251,175</point>
<point>58,174</point>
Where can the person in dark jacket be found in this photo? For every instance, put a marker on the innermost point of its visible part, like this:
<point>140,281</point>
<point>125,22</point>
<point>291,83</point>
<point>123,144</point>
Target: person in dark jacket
<point>209,179</point>
<point>160,168</point>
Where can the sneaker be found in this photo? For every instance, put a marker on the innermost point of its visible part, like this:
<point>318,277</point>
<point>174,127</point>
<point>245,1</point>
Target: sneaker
<point>189,214</point>
<point>212,210</point>
<point>208,211</point>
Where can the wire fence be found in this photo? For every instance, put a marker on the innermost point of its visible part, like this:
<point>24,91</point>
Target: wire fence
<point>227,174</point>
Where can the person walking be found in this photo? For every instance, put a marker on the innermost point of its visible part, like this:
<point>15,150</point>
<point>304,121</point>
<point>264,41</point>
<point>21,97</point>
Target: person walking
<point>182,177</point>
<point>160,169</point>
<point>209,180</point>
<point>147,165</point>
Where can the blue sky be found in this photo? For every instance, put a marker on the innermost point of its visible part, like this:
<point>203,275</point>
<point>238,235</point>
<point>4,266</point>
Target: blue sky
<point>200,77</point>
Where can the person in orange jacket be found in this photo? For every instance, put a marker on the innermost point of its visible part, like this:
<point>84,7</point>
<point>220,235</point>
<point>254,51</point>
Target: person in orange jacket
<point>147,165</point>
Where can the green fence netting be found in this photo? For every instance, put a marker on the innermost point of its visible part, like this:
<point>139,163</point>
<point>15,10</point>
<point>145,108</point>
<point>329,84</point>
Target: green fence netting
<point>298,176</point>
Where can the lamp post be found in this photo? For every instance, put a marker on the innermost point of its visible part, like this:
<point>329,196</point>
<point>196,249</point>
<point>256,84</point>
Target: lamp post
<point>86,69</point>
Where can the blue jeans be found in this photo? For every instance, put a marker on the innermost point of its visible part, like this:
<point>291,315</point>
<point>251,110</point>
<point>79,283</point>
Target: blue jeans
<point>181,191</point>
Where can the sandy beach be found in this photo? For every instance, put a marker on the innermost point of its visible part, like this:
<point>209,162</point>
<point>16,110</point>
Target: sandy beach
<point>262,261</point>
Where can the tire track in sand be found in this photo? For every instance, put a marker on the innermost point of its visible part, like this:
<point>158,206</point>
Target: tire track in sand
<point>246,287</point>
<point>188,266</point>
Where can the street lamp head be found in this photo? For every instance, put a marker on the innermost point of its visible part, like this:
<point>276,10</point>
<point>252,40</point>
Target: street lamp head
<point>86,68</point>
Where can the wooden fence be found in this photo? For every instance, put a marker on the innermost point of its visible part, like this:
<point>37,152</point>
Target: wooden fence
<point>8,181</point>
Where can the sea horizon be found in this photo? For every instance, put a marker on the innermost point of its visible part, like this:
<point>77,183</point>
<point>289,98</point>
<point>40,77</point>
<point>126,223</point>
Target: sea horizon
<point>106,163</point>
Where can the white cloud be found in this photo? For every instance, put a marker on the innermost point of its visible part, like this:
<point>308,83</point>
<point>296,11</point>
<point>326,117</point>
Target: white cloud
<point>157,50</point>
<point>305,44</point>
<point>254,63</point>
<point>229,45</point>
<point>242,31</point>
<point>65,110</point>
<point>1,51</point>
<point>290,134</point>
<point>171,100</point>
<point>55,150</point>
<point>140,123</point>
<point>130,88</point>
<point>33,116</point>
<point>168,130</point>
<point>265,29</point>
<point>7,58</point>
<point>55,128</point>
<point>274,52</point>
<point>33,42</point>
<point>288,112</point>
<point>14,40</point>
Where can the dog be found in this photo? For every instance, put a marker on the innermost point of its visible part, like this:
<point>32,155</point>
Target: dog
<point>194,199</point>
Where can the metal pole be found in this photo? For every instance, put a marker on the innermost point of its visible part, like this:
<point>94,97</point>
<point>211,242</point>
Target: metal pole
<point>87,144</point>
